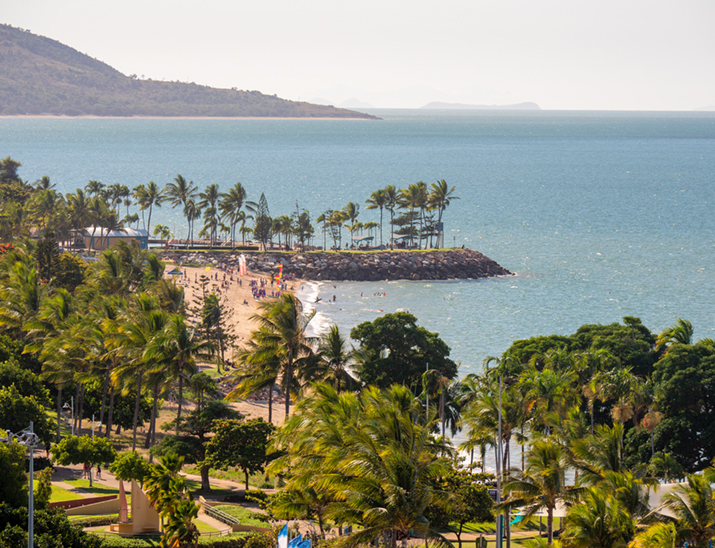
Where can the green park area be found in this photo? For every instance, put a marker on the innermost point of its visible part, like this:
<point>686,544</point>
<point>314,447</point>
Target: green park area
<point>600,438</point>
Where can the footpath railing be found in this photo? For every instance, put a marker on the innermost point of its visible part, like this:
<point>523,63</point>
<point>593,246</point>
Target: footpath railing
<point>220,515</point>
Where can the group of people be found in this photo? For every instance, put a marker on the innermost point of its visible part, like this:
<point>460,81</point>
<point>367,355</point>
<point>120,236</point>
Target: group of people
<point>87,470</point>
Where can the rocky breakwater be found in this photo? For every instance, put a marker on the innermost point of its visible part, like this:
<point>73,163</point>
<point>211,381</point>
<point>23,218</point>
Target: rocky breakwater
<point>364,267</point>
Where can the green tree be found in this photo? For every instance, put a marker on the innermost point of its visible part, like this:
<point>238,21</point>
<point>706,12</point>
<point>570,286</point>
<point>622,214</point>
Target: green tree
<point>52,528</point>
<point>378,200</point>
<point>332,362</point>
<point>693,504</point>
<point>468,502</point>
<point>241,444</point>
<point>282,326</point>
<point>262,222</point>
<point>17,411</point>
<point>195,428</point>
<point>152,196</point>
<point>230,207</point>
<point>374,454</point>
<point>541,485</point>
<point>440,197</point>
<point>13,487</point>
<point>685,379</point>
<point>83,450</point>
<point>129,466</point>
<point>181,192</point>
<point>26,382</point>
<point>396,350</point>
<point>598,521</point>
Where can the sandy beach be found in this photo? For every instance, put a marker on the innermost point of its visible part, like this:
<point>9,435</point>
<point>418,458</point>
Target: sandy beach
<point>239,300</point>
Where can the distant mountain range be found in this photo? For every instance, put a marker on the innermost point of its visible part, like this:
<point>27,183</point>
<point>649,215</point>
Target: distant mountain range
<point>41,76</point>
<point>460,106</point>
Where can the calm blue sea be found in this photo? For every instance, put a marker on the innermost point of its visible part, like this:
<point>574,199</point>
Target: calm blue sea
<point>600,215</point>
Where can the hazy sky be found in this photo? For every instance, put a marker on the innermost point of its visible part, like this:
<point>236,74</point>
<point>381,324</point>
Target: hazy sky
<point>561,54</point>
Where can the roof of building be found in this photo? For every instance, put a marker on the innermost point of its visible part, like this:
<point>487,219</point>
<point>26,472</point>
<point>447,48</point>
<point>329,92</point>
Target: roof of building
<point>120,233</point>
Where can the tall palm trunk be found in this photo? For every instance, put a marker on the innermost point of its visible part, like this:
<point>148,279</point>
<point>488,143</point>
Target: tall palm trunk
<point>136,410</point>
<point>152,425</point>
<point>289,378</point>
<point>105,389</point>
<point>75,407</point>
<point>59,413</point>
<point>111,412</point>
<point>181,396</point>
<point>81,408</point>
<point>270,403</point>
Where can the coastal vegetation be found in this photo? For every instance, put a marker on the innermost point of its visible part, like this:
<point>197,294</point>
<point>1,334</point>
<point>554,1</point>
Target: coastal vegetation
<point>587,428</point>
<point>39,209</point>
<point>40,76</point>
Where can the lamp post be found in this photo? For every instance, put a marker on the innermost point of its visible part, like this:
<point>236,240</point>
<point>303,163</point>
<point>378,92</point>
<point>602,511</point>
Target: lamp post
<point>500,517</point>
<point>29,439</point>
<point>71,410</point>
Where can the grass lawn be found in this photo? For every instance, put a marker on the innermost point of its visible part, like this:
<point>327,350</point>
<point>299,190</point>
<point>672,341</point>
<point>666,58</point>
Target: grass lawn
<point>204,527</point>
<point>244,515</point>
<point>59,494</point>
<point>81,518</point>
<point>256,480</point>
<point>98,490</point>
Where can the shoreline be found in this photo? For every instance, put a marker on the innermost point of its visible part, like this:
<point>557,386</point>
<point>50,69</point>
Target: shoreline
<point>96,117</point>
<point>375,266</point>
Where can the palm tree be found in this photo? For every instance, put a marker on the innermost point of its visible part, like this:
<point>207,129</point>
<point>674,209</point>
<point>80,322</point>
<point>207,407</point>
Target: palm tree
<point>337,218</point>
<point>541,485</point>
<point>150,197</point>
<point>192,212</point>
<point>694,508</point>
<point>94,188</point>
<point>658,535</point>
<point>209,200</point>
<point>284,325</point>
<point>391,200</point>
<point>180,192</point>
<point>22,294</point>
<point>378,200</point>
<point>258,366</point>
<point>598,521</point>
<point>332,361</point>
<point>680,333</point>
<point>599,453</point>
<point>440,197</point>
<point>374,455</point>
<point>550,390</point>
<point>54,317</point>
<point>230,207</point>
<point>351,212</point>
<point>177,347</point>
<point>134,343</point>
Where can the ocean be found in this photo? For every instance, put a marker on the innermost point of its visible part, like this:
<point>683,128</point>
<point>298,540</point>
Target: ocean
<point>599,215</point>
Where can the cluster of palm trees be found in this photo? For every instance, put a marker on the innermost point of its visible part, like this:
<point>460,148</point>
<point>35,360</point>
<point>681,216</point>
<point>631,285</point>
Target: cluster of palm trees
<point>223,214</point>
<point>280,354</point>
<point>367,460</point>
<point>422,204</point>
<point>124,328</point>
<point>366,457</point>
<point>548,405</point>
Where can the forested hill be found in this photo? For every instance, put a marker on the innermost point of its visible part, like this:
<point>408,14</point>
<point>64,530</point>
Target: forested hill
<point>39,75</point>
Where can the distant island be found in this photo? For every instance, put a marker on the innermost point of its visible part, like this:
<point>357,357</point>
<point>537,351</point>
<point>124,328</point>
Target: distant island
<point>41,76</point>
<point>461,106</point>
